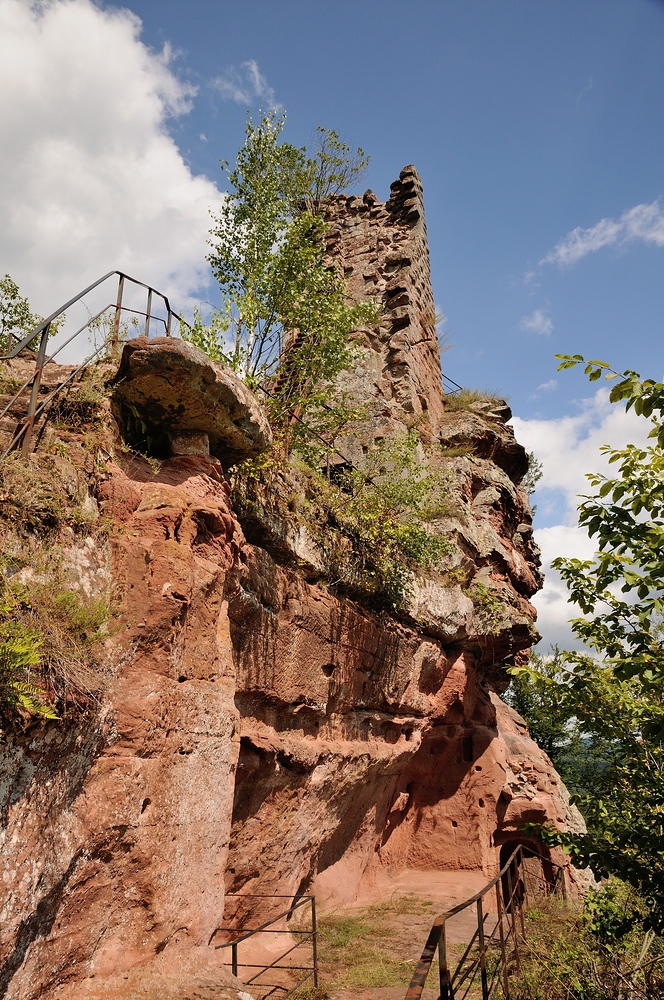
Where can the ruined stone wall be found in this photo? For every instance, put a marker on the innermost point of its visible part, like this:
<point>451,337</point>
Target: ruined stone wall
<point>382,250</point>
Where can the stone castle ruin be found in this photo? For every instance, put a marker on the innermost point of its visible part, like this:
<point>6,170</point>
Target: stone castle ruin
<point>262,731</point>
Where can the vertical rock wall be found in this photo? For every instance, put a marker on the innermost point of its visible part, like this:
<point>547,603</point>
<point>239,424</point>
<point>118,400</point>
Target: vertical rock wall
<point>375,743</point>
<point>383,252</point>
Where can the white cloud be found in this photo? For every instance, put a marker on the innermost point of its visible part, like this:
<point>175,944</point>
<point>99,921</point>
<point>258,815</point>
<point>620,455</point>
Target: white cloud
<point>245,85</point>
<point>553,607</point>
<point>643,222</point>
<point>92,180</point>
<point>537,322</point>
<point>549,386</point>
<point>569,448</point>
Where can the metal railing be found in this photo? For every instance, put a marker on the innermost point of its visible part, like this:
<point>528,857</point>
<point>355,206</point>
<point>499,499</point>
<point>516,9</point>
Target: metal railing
<point>491,955</point>
<point>450,386</point>
<point>110,343</point>
<point>302,935</point>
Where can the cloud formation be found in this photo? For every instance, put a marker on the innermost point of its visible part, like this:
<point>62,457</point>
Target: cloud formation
<point>643,222</point>
<point>92,180</point>
<point>245,85</point>
<point>569,448</point>
<point>537,322</point>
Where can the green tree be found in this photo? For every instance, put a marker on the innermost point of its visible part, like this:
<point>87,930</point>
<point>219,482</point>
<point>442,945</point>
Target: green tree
<point>613,686</point>
<point>16,318</point>
<point>285,320</point>
<point>540,697</point>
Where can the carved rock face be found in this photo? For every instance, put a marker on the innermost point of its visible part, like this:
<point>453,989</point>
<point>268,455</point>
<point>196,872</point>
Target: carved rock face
<point>165,387</point>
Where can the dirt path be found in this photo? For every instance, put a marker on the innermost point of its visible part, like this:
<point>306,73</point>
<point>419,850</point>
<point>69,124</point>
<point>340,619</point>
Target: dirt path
<point>368,951</point>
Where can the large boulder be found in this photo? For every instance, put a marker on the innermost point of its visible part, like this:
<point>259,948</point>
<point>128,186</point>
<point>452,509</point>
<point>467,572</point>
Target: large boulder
<point>166,387</point>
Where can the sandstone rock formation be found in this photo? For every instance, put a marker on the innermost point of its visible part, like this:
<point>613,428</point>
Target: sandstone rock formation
<point>261,730</point>
<point>166,387</point>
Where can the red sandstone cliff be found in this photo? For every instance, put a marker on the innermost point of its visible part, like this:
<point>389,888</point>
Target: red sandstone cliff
<point>261,730</point>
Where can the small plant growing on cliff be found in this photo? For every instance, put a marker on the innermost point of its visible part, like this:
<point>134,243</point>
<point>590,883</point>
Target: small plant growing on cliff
<point>19,657</point>
<point>81,404</point>
<point>285,320</point>
<point>488,606</point>
<point>49,644</point>
<point>385,509</point>
<point>42,495</point>
<point>468,400</point>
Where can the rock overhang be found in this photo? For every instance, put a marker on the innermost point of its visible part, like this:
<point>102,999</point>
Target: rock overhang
<point>166,387</point>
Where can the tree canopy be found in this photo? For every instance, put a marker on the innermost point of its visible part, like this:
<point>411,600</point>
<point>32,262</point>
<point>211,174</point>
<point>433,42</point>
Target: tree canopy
<point>285,319</point>
<point>612,688</point>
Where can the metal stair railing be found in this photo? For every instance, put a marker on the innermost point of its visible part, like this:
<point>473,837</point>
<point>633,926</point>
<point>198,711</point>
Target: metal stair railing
<point>501,944</point>
<point>303,936</point>
<point>23,435</point>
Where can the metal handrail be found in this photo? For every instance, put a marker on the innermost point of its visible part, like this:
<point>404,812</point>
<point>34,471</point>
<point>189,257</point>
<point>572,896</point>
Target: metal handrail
<point>248,932</point>
<point>507,911</point>
<point>43,330</point>
<point>122,277</point>
<point>450,386</point>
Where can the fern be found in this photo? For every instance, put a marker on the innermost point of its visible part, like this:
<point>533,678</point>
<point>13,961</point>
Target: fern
<point>18,655</point>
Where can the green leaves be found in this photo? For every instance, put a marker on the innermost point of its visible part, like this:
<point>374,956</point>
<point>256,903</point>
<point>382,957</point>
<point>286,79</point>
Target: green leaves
<point>385,509</point>
<point>612,688</point>
<point>19,656</point>
<point>285,319</point>
<point>16,318</point>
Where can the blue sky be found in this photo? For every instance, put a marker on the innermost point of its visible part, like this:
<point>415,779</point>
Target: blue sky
<point>536,126</point>
<point>525,119</point>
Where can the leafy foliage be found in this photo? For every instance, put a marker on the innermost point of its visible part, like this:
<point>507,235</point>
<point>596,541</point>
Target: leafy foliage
<point>600,953</point>
<point>51,637</point>
<point>285,320</point>
<point>488,606</point>
<point>385,509</point>
<point>621,592</point>
<point>540,696</point>
<point>615,690</point>
<point>532,477</point>
<point>16,318</point>
<point>19,656</point>
<point>49,643</point>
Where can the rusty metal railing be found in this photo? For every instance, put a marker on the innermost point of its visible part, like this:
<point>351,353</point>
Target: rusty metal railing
<point>303,937</point>
<point>110,343</point>
<point>493,953</point>
<point>451,387</point>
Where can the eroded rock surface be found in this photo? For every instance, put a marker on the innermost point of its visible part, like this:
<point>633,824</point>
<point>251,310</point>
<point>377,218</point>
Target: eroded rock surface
<point>115,830</point>
<point>166,386</point>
